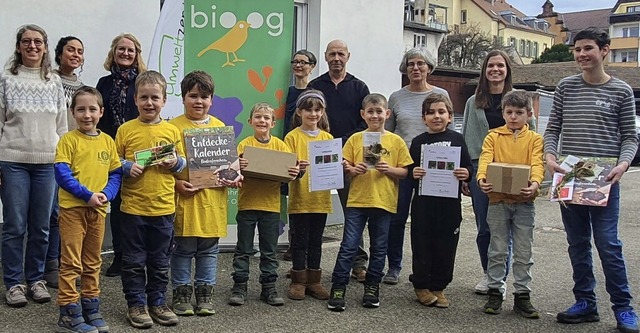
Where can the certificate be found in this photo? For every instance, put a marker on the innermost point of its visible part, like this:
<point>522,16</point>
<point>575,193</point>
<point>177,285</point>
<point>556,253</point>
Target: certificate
<point>439,162</point>
<point>325,168</point>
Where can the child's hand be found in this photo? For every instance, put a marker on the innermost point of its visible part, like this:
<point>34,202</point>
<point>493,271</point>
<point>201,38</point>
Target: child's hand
<point>484,186</point>
<point>169,164</point>
<point>236,183</point>
<point>294,171</point>
<point>97,199</point>
<point>465,189</point>
<point>136,170</point>
<point>382,167</point>
<point>530,191</point>
<point>360,168</point>
<point>303,165</point>
<point>186,189</point>
<point>461,173</point>
<point>419,172</point>
<point>346,165</point>
<point>243,163</point>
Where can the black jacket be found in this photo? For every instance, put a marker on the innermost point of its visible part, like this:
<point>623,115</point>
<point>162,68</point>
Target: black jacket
<point>107,123</point>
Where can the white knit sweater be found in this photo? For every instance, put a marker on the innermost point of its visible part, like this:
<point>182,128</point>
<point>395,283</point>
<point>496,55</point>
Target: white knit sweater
<point>33,116</point>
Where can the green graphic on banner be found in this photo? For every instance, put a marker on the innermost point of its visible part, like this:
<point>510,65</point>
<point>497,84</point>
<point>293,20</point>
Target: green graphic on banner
<point>245,45</point>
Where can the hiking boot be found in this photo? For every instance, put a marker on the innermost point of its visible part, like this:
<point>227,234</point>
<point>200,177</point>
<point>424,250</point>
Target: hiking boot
<point>441,300</point>
<point>238,293</point>
<point>371,297</point>
<point>116,264</point>
<point>392,277</point>
<point>522,306</point>
<point>483,286</point>
<point>270,296</point>
<point>71,320</point>
<point>314,285</point>
<point>298,284</point>
<point>627,321</point>
<point>92,315</point>
<point>204,300</point>
<point>138,317</point>
<point>51,273</point>
<point>425,297</point>
<point>163,315</point>
<point>494,304</point>
<point>38,292</point>
<point>336,298</point>
<point>15,296</point>
<point>181,303</point>
<point>580,312</point>
<point>359,274</point>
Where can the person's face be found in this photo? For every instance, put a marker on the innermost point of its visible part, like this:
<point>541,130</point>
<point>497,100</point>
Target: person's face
<point>588,54</point>
<point>496,71</point>
<point>262,122</point>
<point>310,117</point>
<point>87,113</point>
<point>515,117</point>
<point>196,104</point>
<point>125,53</point>
<point>437,117</point>
<point>417,69</point>
<point>337,56</point>
<point>301,66</point>
<point>72,55</point>
<point>150,100</point>
<point>32,48</point>
<point>375,115</point>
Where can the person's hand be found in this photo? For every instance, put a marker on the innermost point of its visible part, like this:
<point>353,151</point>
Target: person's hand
<point>243,163</point>
<point>186,189</point>
<point>360,168</point>
<point>552,164</point>
<point>461,173</point>
<point>529,192</point>
<point>97,199</point>
<point>136,170</point>
<point>484,186</point>
<point>466,190</point>
<point>294,171</point>
<point>617,172</point>
<point>236,183</point>
<point>419,172</point>
<point>168,163</point>
<point>303,165</point>
<point>382,167</point>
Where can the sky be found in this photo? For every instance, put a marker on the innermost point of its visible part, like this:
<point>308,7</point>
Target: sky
<point>534,7</point>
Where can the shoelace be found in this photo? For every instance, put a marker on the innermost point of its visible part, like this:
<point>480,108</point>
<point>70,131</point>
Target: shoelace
<point>370,290</point>
<point>580,305</point>
<point>38,286</point>
<point>628,318</point>
<point>17,288</point>
<point>338,293</point>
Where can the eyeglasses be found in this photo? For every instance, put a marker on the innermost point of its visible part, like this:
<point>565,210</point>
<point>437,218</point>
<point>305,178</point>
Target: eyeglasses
<point>27,42</point>
<point>301,62</point>
<point>420,64</point>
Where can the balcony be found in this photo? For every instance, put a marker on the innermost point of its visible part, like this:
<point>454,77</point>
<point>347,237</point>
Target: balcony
<point>625,43</point>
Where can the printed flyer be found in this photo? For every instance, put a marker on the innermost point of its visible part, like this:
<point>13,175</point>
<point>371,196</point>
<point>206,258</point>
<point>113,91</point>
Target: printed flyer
<point>439,162</point>
<point>325,169</point>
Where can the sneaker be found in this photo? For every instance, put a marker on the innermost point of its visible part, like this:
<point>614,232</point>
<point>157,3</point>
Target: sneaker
<point>627,321</point>
<point>71,320</point>
<point>204,300</point>
<point>238,293</point>
<point>15,296</point>
<point>359,274</point>
<point>270,296</point>
<point>336,298</point>
<point>38,292</point>
<point>441,301</point>
<point>163,315</point>
<point>582,311</point>
<point>181,303</point>
<point>522,306</point>
<point>494,304</point>
<point>371,297</point>
<point>392,277</point>
<point>483,286</point>
<point>138,317</point>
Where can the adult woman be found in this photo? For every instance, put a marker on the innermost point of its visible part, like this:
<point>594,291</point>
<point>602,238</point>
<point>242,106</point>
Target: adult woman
<point>406,121</point>
<point>483,112</point>
<point>124,62</point>
<point>69,56</point>
<point>32,119</point>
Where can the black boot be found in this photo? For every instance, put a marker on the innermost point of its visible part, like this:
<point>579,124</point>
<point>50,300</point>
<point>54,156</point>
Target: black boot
<point>51,273</point>
<point>238,293</point>
<point>522,305</point>
<point>114,269</point>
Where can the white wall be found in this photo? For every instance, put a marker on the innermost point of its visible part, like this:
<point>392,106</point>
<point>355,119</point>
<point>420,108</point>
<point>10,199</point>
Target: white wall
<point>95,22</point>
<point>433,41</point>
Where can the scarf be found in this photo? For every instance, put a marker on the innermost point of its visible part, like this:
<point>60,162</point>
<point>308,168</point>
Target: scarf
<point>122,78</point>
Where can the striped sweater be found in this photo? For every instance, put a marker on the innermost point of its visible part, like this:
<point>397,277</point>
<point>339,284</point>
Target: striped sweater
<point>594,120</point>
<point>70,87</point>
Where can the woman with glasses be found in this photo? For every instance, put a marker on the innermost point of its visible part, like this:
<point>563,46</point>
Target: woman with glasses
<point>124,62</point>
<point>302,65</point>
<point>33,116</point>
<point>406,121</point>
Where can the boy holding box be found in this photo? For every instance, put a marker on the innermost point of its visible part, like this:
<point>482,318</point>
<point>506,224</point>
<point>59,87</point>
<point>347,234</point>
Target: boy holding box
<point>511,216</point>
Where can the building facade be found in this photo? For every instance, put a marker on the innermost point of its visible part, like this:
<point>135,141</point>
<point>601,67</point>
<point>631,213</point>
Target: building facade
<point>624,29</point>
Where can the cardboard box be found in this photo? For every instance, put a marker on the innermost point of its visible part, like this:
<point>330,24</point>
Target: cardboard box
<point>508,178</point>
<point>268,164</point>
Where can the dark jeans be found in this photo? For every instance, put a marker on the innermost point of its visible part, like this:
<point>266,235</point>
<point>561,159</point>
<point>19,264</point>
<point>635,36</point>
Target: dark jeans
<point>115,218</point>
<point>377,220</point>
<point>53,252</point>
<point>268,224</point>
<point>579,223</point>
<point>145,258</point>
<point>398,224</point>
<point>362,257</point>
<point>306,242</point>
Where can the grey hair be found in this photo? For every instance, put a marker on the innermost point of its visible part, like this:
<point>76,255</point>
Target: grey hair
<point>418,52</point>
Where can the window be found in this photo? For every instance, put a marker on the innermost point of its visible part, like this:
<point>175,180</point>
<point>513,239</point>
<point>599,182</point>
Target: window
<point>512,42</point>
<point>419,40</point>
<point>534,52</point>
<point>527,49</point>
<point>627,56</point>
<point>632,9</point>
<point>630,32</point>
<point>463,16</point>
<point>521,50</point>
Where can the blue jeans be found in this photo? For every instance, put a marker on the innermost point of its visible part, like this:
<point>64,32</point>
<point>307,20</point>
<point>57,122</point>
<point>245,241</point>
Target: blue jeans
<point>398,223</point>
<point>579,222</point>
<point>27,192</point>
<point>356,220</point>
<point>268,224</point>
<point>204,250</point>
<point>53,251</point>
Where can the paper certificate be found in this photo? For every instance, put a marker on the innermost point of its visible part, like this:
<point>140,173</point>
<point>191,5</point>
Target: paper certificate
<point>439,163</point>
<point>325,169</point>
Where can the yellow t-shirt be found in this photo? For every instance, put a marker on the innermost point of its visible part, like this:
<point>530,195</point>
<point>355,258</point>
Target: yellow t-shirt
<point>205,213</point>
<point>152,193</point>
<point>301,200</point>
<point>91,159</point>
<point>260,194</point>
<point>374,189</point>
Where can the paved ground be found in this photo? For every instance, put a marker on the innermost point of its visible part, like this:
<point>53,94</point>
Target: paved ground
<point>399,312</point>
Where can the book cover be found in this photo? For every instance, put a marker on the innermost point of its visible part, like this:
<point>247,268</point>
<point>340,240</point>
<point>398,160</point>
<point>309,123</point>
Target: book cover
<point>212,155</point>
<point>155,155</point>
<point>588,175</point>
<point>373,150</point>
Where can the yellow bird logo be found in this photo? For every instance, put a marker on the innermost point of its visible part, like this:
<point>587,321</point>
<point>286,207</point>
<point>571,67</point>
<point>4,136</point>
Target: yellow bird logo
<point>231,42</point>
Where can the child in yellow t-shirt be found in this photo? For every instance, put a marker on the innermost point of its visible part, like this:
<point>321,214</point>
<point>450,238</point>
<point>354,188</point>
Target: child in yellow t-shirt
<point>307,210</point>
<point>258,204</point>
<point>88,171</point>
<point>373,196</point>
<point>148,205</point>
<point>201,214</point>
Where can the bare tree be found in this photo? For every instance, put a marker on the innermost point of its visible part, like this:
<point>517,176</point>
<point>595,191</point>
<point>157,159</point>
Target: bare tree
<point>465,49</point>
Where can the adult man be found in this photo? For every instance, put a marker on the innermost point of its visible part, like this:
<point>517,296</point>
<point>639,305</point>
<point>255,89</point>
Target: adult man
<point>344,94</point>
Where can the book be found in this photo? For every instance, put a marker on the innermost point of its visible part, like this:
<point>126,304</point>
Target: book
<point>588,176</point>
<point>212,155</point>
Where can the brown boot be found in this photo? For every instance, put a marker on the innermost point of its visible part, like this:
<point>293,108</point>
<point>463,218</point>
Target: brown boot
<point>314,287</point>
<point>425,297</point>
<point>442,301</point>
<point>297,286</point>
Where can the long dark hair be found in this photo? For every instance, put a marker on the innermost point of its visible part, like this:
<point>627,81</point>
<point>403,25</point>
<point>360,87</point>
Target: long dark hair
<point>483,92</point>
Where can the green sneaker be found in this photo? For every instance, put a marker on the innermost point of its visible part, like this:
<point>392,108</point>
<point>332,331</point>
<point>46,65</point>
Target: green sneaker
<point>182,300</point>
<point>522,306</point>
<point>204,300</point>
<point>494,305</point>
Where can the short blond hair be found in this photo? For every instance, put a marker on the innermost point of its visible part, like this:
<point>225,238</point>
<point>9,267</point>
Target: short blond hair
<point>152,77</point>
<point>262,106</point>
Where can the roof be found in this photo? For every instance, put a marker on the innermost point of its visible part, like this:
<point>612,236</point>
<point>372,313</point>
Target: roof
<point>493,8</point>
<point>577,21</point>
<point>549,74</point>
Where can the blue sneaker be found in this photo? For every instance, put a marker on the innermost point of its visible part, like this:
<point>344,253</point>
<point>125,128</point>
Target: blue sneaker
<point>627,321</point>
<point>581,312</point>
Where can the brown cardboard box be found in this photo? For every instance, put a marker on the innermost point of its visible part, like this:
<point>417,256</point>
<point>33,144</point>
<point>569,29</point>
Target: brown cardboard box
<point>508,178</point>
<point>268,164</point>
